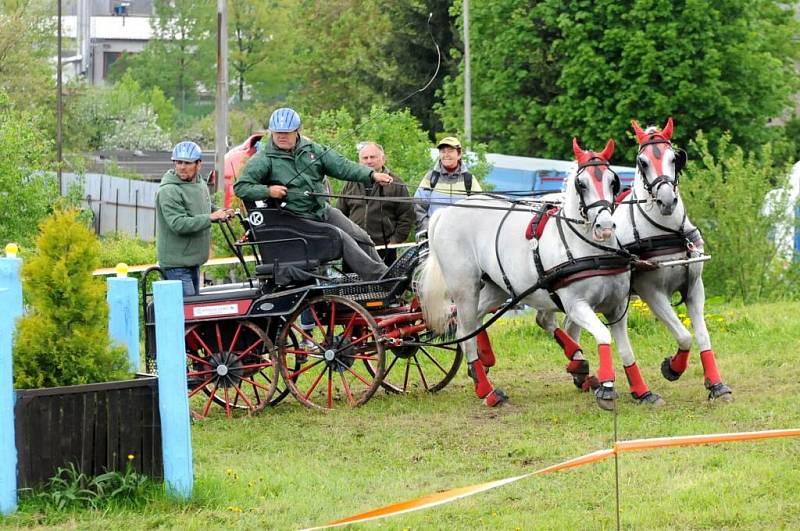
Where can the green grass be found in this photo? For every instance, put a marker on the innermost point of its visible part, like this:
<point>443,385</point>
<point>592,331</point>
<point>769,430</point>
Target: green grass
<point>292,467</point>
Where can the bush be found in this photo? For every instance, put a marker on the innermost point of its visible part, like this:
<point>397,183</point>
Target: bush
<point>63,339</point>
<point>120,247</point>
<point>727,197</point>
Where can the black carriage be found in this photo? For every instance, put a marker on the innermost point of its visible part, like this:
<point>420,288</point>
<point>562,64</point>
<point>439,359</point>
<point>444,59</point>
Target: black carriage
<point>299,325</point>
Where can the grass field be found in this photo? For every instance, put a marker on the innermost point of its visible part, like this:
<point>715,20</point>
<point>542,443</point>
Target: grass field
<point>291,467</point>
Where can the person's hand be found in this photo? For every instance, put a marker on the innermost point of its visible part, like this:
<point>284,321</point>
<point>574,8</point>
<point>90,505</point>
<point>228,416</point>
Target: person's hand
<point>382,179</point>
<point>277,191</point>
<point>221,214</point>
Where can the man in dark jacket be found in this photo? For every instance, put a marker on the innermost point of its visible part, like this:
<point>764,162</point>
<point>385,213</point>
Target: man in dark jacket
<point>290,166</point>
<point>386,222</point>
<point>183,219</point>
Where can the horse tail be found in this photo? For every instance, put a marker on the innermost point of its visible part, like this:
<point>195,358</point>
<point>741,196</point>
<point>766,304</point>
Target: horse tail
<point>432,291</point>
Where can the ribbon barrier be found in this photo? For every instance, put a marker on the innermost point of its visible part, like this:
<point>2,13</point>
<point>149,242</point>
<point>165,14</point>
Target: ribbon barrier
<point>440,498</point>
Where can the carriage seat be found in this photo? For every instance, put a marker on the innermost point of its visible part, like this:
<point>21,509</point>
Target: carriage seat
<point>291,247</point>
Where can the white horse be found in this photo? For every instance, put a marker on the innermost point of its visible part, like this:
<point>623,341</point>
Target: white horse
<point>479,256</point>
<point>652,223</point>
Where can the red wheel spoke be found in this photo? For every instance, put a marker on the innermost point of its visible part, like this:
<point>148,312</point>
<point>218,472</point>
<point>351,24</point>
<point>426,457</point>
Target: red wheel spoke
<point>349,328</point>
<point>227,402</point>
<point>332,321</point>
<point>362,338</point>
<point>433,360</point>
<point>235,336</point>
<point>330,388</point>
<point>304,333</point>
<point>219,337</point>
<point>347,391</point>
<point>210,399</point>
<point>239,393</point>
<point>421,374</point>
<point>316,382</point>
<point>199,388</point>
<point>295,374</point>
<point>256,365</point>
<point>255,384</point>
<point>354,373</point>
<point>204,361</point>
<point>200,340</point>
<point>316,318</point>
<point>249,349</point>
<point>200,373</point>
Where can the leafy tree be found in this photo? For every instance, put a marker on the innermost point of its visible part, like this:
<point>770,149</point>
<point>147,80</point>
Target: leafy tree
<point>338,54</point>
<point>64,339</point>
<point>405,143</point>
<point>26,191</point>
<point>124,116</point>
<point>547,70</point>
<point>726,194</point>
<point>27,44</point>
<point>180,57</point>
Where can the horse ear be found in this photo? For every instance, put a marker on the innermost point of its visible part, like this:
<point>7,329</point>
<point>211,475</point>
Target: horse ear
<point>667,131</point>
<point>641,136</point>
<point>576,148</point>
<point>608,151</point>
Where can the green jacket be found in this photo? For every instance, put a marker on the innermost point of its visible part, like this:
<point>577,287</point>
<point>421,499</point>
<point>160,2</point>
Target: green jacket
<point>183,225</point>
<point>301,170</point>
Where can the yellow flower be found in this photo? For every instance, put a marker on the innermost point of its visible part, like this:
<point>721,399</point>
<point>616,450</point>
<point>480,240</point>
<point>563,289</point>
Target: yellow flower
<point>687,322</point>
<point>229,471</point>
<point>131,457</point>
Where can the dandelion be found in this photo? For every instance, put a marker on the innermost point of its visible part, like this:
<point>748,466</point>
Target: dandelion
<point>229,472</point>
<point>687,322</point>
<point>234,508</point>
<point>131,457</point>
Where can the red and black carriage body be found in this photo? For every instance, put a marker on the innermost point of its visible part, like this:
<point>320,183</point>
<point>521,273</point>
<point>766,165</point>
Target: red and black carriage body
<point>298,326</point>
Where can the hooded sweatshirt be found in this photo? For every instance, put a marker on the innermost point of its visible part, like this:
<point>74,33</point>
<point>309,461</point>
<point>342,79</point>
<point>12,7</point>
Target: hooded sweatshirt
<point>183,234</point>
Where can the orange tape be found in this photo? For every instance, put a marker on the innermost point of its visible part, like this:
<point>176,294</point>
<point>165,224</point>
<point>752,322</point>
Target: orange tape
<point>440,498</point>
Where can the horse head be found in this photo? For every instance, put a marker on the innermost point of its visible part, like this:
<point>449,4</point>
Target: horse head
<point>659,164</point>
<point>595,186</point>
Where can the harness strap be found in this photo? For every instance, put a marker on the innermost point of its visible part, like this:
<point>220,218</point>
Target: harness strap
<point>506,281</point>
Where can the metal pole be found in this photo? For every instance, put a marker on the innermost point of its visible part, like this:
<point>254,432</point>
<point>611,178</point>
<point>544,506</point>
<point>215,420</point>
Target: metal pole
<point>467,79</point>
<point>222,93</point>
<point>59,102</point>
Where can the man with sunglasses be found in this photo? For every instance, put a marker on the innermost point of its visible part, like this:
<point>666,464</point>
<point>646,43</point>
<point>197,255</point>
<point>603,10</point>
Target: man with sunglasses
<point>183,218</point>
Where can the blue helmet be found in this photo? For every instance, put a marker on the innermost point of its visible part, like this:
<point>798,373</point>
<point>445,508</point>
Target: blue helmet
<point>187,151</point>
<point>284,120</point>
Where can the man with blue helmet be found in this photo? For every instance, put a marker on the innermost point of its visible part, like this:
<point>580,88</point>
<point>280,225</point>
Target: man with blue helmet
<point>290,166</point>
<point>183,218</point>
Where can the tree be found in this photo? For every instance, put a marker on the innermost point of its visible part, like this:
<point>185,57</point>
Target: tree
<point>64,339</point>
<point>27,44</point>
<point>180,57</point>
<point>547,70</point>
<point>738,200</point>
<point>26,190</point>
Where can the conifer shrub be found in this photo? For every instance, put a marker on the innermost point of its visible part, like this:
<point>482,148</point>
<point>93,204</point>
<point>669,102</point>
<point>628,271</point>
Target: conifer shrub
<point>63,338</point>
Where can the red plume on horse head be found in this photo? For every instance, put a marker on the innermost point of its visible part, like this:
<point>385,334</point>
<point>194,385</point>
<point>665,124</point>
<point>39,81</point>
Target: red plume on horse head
<point>642,137</point>
<point>583,156</point>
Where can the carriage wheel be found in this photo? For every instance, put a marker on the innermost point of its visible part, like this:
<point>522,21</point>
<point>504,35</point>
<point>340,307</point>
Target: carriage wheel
<point>428,368</point>
<point>340,359</point>
<point>229,363</point>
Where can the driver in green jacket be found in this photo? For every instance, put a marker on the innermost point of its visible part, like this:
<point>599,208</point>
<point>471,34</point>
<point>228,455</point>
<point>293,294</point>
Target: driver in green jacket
<point>290,165</point>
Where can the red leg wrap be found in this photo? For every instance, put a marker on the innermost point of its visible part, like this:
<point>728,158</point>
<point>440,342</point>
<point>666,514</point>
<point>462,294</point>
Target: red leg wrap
<point>710,367</point>
<point>485,352</point>
<point>574,365</point>
<point>679,361</point>
<point>567,343</point>
<point>635,380</point>
<point>606,371</point>
<point>482,384</point>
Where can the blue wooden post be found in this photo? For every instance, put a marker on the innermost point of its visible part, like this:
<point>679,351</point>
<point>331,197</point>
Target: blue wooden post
<point>123,313</point>
<point>9,279</point>
<point>173,400</point>
<point>8,449</point>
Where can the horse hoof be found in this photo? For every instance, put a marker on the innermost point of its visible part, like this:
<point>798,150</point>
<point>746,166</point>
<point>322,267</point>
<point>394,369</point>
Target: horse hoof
<point>581,377</point>
<point>496,398</point>
<point>606,396</point>
<point>720,392</point>
<point>650,398</point>
<point>667,372</point>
